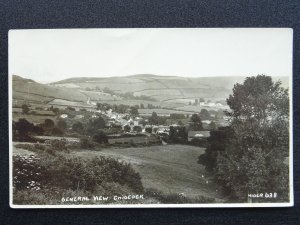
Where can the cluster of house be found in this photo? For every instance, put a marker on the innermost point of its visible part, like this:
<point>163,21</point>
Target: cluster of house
<point>122,120</point>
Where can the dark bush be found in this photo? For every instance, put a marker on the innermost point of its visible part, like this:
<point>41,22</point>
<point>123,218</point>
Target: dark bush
<point>80,174</point>
<point>62,125</point>
<point>57,131</point>
<point>48,123</point>
<point>70,108</point>
<point>22,129</point>
<point>127,128</point>
<point>25,109</point>
<point>95,125</point>
<point>148,130</point>
<point>26,172</point>
<point>78,127</point>
<point>100,137</point>
<point>86,143</point>
<point>60,145</point>
<point>137,129</point>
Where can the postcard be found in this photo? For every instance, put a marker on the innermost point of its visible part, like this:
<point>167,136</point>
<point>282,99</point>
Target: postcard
<point>151,117</point>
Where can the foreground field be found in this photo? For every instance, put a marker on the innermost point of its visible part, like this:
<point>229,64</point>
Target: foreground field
<point>169,169</point>
<point>167,172</point>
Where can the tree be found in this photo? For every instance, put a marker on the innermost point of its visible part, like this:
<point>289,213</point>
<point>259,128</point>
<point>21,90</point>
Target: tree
<point>62,125</point>
<point>178,134</point>
<point>25,109</point>
<point>100,137</point>
<point>204,114</point>
<point>57,131</point>
<point>176,116</point>
<point>55,111</point>
<point>201,100</point>
<point>86,143</point>
<point>49,123</point>
<point>180,123</point>
<point>150,106</point>
<point>216,143</point>
<point>107,90</point>
<point>127,128</point>
<point>70,108</point>
<point>96,124</point>
<point>22,128</point>
<point>143,122</point>
<point>137,129</point>
<point>196,123</point>
<point>134,111</point>
<point>99,106</point>
<point>253,157</point>
<point>154,119</point>
<point>78,127</point>
<point>114,129</point>
<point>148,130</point>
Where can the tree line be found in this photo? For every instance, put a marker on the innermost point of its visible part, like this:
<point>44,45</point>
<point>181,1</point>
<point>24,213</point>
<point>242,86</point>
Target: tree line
<point>249,155</point>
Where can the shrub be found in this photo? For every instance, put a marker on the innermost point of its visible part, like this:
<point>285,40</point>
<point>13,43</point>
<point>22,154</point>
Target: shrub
<point>94,125</point>
<point>62,125</point>
<point>78,127</point>
<point>100,137</point>
<point>46,196</point>
<point>22,128</point>
<point>60,145</point>
<point>26,172</point>
<point>32,147</point>
<point>57,131</point>
<point>137,129</point>
<point>176,198</point>
<point>45,180</point>
<point>127,128</point>
<point>25,109</point>
<point>148,130</point>
<point>48,123</point>
<point>77,173</point>
<point>74,173</point>
<point>70,108</point>
<point>86,143</point>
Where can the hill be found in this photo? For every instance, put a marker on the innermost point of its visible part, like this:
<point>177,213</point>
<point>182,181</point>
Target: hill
<point>166,91</point>
<point>162,88</point>
<point>33,92</point>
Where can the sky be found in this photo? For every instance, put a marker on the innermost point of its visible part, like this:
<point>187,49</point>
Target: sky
<point>48,55</point>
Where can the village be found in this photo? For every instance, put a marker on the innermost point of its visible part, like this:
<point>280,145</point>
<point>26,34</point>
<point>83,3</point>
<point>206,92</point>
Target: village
<point>133,128</point>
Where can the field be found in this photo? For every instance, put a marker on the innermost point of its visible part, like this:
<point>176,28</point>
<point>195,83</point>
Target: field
<point>33,92</point>
<point>148,112</point>
<point>168,168</point>
<point>36,119</point>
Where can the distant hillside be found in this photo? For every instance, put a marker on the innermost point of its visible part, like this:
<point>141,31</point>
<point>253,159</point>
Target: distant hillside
<point>166,91</point>
<point>163,88</point>
<point>31,91</point>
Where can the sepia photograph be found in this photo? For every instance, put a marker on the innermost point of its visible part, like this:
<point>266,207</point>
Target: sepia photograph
<point>151,117</point>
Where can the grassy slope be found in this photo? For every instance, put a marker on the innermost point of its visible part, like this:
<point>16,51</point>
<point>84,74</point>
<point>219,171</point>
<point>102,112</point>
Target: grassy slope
<point>24,89</point>
<point>161,87</point>
<point>171,92</point>
<point>170,168</point>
